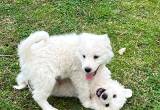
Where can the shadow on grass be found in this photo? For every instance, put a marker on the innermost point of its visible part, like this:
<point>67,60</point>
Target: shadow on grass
<point>66,103</point>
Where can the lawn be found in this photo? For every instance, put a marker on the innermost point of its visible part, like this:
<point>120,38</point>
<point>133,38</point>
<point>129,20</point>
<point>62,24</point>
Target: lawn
<point>134,24</point>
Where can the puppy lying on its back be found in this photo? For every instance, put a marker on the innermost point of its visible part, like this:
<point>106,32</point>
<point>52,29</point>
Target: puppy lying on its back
<point>108,94</point>
<point>105,93</point>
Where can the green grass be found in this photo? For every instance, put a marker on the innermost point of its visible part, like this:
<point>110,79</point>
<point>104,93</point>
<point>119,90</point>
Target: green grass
<point>134,24</point>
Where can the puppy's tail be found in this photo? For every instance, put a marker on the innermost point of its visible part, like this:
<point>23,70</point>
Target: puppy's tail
<point>24,46</point>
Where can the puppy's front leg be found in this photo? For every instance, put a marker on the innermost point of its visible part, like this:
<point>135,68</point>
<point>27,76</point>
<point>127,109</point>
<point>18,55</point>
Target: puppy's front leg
<point>82,88</point>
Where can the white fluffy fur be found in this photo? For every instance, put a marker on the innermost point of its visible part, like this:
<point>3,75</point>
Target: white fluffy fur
<point>101,80</point>
<point>44,58</point>
<point>112,87</point>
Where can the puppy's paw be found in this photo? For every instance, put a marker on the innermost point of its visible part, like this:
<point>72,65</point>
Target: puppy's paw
<point>51,109</point>
<point>19,87</point>
<point>88,104</point>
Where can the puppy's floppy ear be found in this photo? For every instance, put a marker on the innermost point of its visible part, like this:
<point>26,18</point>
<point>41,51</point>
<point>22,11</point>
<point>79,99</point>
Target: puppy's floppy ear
<point>100,91</point>
<point>107,41</point>
<point>128,93</point>
<point>106,38</point>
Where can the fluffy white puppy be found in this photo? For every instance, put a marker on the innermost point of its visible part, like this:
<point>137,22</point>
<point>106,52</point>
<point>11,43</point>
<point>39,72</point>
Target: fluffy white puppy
<point>105,93</point>
<point>109,94</point>
<point>44,59</point>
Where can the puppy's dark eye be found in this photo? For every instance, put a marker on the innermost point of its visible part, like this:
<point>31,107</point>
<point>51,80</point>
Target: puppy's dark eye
<point>104,96</point>
<point>114,96</point>
<point>107,105</point>
<point>95,56</point>
<point>84,56</point>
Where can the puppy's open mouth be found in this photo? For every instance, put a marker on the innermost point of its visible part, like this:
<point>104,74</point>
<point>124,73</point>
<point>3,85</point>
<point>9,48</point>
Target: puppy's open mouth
<point>89,76</point>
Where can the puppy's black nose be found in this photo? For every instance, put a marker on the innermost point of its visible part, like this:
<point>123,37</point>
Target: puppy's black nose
<point>104,96</point>
<point>87,69</point>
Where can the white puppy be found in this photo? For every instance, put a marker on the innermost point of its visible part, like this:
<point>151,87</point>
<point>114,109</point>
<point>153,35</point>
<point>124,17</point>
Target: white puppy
<point>105,93</point>
<point>108,94</point>
<point>44,59</point>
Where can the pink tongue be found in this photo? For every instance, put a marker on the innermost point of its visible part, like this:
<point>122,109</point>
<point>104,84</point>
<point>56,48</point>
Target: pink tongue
<point>89,76</point>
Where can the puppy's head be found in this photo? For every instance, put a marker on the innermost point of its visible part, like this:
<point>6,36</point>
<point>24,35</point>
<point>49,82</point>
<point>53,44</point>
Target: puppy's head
<point>94,50</point>
<point>113,97</point>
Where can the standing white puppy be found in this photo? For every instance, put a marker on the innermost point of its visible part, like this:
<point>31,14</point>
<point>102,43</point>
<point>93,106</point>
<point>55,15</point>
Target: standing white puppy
<point>44,59</point>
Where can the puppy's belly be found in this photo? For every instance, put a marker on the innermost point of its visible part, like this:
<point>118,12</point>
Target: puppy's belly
<point>64,88</point>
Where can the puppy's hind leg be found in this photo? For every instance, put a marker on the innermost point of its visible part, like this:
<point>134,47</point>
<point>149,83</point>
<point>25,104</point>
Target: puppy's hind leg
<point>21,82</point>
<point>42,90</point>
<point>41,96</point>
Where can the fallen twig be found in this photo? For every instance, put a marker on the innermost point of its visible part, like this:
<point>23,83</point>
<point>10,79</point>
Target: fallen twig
<point>6,55</point>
